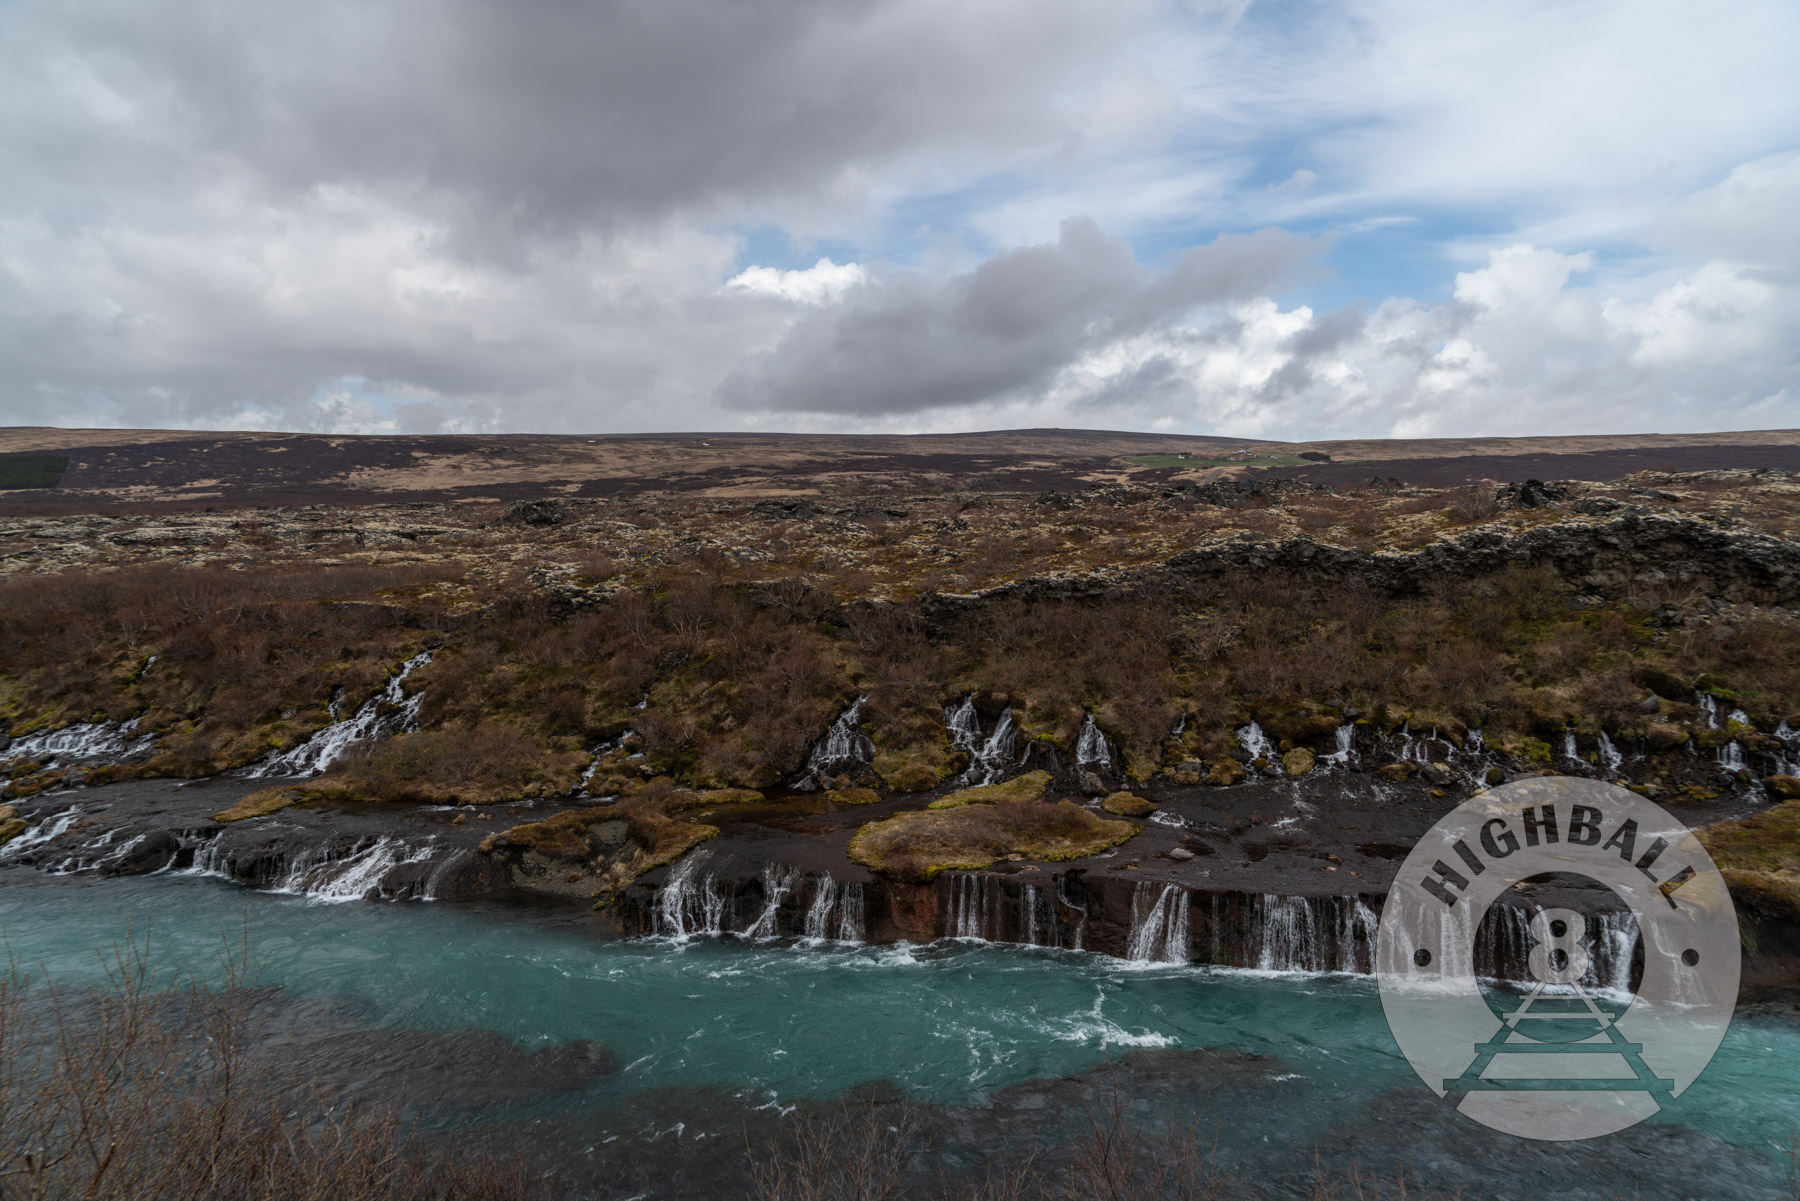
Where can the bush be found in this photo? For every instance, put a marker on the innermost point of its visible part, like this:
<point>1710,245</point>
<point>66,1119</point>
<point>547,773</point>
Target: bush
<point>135,1092</point>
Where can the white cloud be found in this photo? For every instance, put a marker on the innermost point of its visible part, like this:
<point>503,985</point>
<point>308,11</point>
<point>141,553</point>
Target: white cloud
<point>822,282</point>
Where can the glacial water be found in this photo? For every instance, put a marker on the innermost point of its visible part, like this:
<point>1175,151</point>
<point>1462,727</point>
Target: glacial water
<point>948,1022</point>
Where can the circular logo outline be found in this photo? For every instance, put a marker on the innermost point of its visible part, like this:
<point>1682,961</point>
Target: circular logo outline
<point>1492,1071</point>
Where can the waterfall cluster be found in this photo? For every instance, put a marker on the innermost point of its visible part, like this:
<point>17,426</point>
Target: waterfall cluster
<point>989,758</point>
<point>994,909</point>
<point>328,876</point>
<point>1313,934</point>
<point>844,746</point>
<point>696,903</point>
<point>1503,945</point>
<point>84,742</point>
<point>389,712</point>
<point>1159,924</point>
<point>690,904</point>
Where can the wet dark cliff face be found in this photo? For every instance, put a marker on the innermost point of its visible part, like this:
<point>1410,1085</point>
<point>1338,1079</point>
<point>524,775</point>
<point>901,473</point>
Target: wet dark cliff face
<point>1274,874</point>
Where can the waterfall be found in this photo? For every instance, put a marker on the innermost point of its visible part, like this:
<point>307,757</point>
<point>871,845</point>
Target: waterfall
<point>1790,742</point>
<point>332,878</point>
<point>1610,758</point>
<point>968,900</point>
<point>836,912</point>
<point>429,890</point>
<point>1569,749</point>
<point>84,742</point>
<point>1731,757</point>
<point>1709,709</point>
<point>777,881</point>
<point>1180,725</point>
<point>1256,744</point>
<point>686,909</point>
<point>47,830</point>
<point>818,914</point>
<point>852,926</point>
<point>989,758</point>
<point>1090,746</point>
<point>1070,903</point>
<point>1290,936</point>
<point>1503,947</point>
<point>328,745</point>
<point>1346,747</point>
<point>844,745</point>
<point>1159,924</point>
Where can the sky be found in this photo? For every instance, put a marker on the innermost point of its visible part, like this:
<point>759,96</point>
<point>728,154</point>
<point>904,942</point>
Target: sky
<point>1284,220</point>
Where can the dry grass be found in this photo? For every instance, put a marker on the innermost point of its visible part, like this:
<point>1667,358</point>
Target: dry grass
<point>260,803</point>
<point>136,1092</point>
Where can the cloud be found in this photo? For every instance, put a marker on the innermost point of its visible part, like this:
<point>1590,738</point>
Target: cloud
<point>504,121</point>
<point>1521,348</point>
<point>475,215</point>
<point>823,281</point>
<point>910,343</point>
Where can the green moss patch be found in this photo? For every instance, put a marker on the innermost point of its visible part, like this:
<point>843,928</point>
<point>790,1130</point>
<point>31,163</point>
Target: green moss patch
<point>917,846</point>
<point>852,796</point>
<point>259,804</point>
<point>1028,787</point>
<point>1760,855</point>
<point>1124,804</point>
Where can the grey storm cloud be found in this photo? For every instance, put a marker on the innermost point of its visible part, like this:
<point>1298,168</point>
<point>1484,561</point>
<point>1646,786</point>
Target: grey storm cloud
<point>906,342</point>
<point>520,118</point>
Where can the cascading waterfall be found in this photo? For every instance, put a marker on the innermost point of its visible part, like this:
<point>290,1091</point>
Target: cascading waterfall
<point>1415,748</point>
<point>687,907</point>
<point>777,881</point>
<point>47,830</point>
<point>1346,747</point>
<point>1569,749</point>
<point>84,742</point>
<point>358,876</point>
<point>1610,758</point>
<point>329,744</point>
<point>1256,744</point>
<point>844,745</point>
<point>989,758</point>
<point>1159,924</point>
<point>1709,709</point>
<point>1731,757</point>
<point>1090,746</point>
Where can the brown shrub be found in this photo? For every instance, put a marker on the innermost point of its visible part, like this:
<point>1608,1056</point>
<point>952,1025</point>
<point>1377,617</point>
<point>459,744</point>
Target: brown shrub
<point>489,762</point>
<point>137,1093</point>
